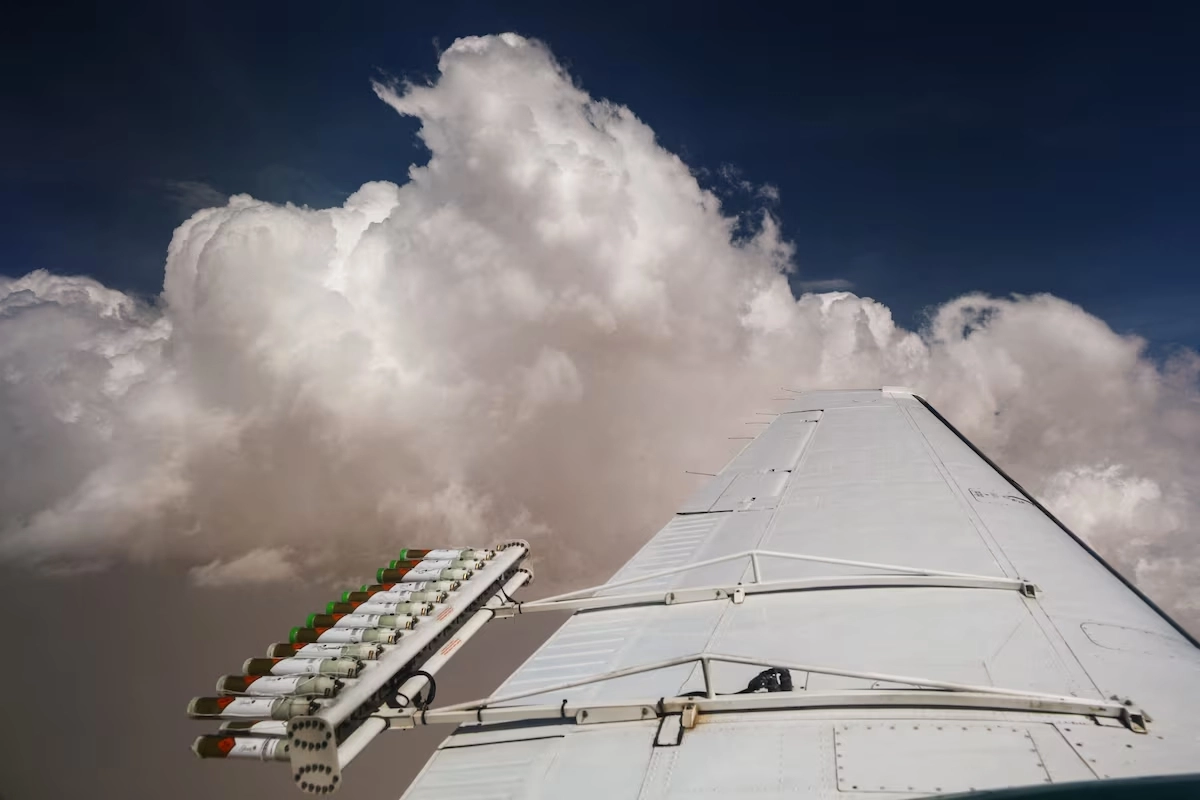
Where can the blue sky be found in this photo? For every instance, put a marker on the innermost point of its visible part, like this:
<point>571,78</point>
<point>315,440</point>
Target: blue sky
<point>920,150</point>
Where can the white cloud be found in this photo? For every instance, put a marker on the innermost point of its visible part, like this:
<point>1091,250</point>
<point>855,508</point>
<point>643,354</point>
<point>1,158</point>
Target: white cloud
<point>825,285</point>
<point>191,196</point>
<point>551,379</point>
<point>264,565</point>
<point>537,333</point>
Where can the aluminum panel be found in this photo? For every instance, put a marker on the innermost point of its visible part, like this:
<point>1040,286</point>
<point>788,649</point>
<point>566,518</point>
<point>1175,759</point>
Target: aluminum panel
<point>601,761</point>
<point>760,490</point>
<point>676,544</point>
<point>582,762</point>
<point>704,497</point>
<point>1112,753</point>
<point>778,447</point>
<point>970,636</point>
<point>1078,592</point>
<point>737,533</point>
<point>935,758</point>
<point>597,642</point>
<point>504,771</point>
<point>746,758</point>
<point>868,490</point>
<point>874,477</point>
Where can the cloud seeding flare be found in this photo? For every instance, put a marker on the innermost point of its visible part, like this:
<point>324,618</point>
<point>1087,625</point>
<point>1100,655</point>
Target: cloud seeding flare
<point>535,335</point>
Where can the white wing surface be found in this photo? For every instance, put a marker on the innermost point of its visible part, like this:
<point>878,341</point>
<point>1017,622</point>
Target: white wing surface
<point>941,631</point>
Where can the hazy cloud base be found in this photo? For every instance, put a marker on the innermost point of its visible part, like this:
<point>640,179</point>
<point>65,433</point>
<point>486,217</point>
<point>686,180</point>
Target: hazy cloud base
<point>534,336</point>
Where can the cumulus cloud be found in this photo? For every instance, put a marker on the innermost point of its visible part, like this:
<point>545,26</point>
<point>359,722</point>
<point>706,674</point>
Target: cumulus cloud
<point>535,335</point>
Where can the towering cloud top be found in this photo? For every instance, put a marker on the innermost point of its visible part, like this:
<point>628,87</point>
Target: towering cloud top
<point>536,334</point>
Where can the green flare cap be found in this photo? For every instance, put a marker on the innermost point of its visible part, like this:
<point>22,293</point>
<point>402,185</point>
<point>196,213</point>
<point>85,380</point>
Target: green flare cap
<point>365,587</point>
<point>293,635</point>
<point>378,575</point>
<point>346,597</point>
<point>404,553</point>
<point>329,606</point>
<point>308,623</point>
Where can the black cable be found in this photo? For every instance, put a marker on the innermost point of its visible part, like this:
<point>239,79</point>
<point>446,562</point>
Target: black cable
<point>432,693</point>
<point>775,679</point>
<point>417,702</point>
<point>506,597</point>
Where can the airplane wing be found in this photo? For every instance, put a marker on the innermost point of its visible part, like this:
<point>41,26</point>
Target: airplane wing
<point>859,604</point>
